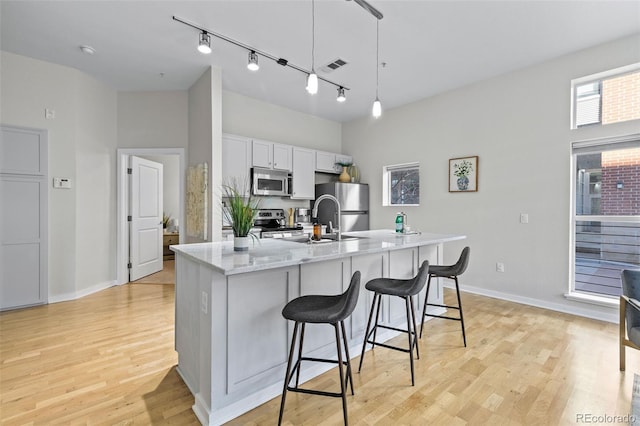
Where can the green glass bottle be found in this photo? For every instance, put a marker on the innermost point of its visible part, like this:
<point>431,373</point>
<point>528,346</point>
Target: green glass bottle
<point>399,222</point>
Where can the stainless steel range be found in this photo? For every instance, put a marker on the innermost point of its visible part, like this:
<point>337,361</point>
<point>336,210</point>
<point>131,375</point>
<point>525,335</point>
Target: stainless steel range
<point>273,225</point>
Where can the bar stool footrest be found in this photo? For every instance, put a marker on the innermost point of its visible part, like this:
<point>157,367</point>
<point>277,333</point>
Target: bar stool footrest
<point>384,345</point>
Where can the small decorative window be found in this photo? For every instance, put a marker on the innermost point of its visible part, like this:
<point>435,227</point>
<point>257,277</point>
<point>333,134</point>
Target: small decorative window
<point>401,185</point>
<point>609,97</point>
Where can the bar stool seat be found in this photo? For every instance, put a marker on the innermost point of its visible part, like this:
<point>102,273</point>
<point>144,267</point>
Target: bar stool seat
<point>405,289</point>
<point>321,309</point>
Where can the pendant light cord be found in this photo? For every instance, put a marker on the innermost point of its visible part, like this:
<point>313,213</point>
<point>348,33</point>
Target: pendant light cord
<point>313,35</point>
<point>377,53</point>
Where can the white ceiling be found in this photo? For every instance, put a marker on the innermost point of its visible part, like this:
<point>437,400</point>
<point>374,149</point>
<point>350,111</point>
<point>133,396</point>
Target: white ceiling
<point>429,46</point>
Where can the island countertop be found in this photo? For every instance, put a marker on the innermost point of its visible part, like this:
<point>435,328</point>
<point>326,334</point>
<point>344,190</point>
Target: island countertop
<point>272,253</point>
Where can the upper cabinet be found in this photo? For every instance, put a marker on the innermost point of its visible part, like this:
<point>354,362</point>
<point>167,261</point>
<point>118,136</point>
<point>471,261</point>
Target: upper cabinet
<point>302,175</point>
<point>328,162</point>
<point>325,162</point>
<point>270,155</point>
<point>236,161</point>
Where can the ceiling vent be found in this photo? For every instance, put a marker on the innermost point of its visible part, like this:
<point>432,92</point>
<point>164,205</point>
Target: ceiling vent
<point>332,66</point>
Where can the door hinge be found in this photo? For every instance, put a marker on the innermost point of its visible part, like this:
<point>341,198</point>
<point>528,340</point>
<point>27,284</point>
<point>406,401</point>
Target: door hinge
<point>129,218</point>
<point>129,266</point>
<point>129,171</point>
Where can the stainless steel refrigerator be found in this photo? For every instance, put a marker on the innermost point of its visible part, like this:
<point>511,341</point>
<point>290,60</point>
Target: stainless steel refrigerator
<point>354,205</point>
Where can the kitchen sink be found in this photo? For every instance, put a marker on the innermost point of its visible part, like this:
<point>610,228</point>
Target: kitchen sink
<point>325,238</point>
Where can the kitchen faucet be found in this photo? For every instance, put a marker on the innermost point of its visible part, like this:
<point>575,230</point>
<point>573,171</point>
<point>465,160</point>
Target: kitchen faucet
<point>335,200</point>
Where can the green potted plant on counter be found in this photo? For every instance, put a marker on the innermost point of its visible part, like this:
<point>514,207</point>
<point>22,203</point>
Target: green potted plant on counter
<point>240,212</point>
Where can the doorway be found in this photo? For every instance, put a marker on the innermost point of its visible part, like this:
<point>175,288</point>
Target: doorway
<point>123,197</point>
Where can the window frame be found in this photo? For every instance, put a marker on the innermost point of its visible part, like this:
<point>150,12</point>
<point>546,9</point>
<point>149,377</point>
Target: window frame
<point>593,78</point>
<point>386,182</point>
<point>583,147</point>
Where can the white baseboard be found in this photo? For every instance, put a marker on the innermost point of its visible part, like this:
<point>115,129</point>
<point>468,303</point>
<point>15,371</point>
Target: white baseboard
<point>573,310</point>
<point>81,293</point>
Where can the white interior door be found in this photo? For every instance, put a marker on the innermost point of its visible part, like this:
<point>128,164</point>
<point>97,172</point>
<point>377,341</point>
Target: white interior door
<point>23,217</point>
<point>145,250</point>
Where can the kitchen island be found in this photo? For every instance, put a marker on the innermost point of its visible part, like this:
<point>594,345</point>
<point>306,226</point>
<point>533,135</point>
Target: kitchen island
<point>231,338</point>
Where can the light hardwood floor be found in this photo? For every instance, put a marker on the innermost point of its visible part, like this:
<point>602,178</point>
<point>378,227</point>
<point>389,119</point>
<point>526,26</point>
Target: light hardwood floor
<point>108,358</point>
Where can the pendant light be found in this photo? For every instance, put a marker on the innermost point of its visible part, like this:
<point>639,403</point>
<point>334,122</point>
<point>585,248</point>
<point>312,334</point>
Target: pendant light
<point>376,111</point>
<point>204,44</point>
<point>312,80</point>
<point>253,61</point>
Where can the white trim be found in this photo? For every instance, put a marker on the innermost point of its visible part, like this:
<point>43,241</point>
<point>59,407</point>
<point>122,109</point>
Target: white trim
<point>557,307</point>
<point>82,293</point>
<point>609,302</point>
<point>122,226</point>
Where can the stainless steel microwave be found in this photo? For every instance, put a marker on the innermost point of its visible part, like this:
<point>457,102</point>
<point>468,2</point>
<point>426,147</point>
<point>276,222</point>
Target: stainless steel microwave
<point>270,182</point>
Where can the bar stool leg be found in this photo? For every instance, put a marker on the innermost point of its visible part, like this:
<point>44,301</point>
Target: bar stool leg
<point>287,377</point>
<point>343,385</point>
<point>406,302</point>
<point>464,336</point>
<point>375,326</point>
<point>366,333</point>
<point>300,354</point>
<point>346,350</point>
<point>415,329</point>
<point>424,308</point>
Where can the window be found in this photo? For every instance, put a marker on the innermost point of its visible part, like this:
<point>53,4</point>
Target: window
<point>606,98</point>
<point>401,185</point>
<point>606,221</point>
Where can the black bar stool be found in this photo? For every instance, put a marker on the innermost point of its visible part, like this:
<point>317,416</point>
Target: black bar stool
<point>451,272</point>
<point>405,289</point>
<point>321,310</point>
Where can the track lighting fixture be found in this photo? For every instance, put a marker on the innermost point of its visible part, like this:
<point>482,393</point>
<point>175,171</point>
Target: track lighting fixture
<point>253,61</point>
<point>204,45</point>
<point>313,79</point>
<point>376,111</point>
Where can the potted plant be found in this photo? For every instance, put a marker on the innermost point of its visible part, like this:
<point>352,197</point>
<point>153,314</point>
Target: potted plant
<point>240,212</point>
<point>462,171</point>
<point>344,176</point>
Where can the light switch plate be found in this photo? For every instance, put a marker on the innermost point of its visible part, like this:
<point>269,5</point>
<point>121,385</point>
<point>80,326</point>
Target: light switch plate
<point>61,183</point>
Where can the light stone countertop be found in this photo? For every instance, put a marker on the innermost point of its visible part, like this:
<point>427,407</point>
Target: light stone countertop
<point>272,253</point>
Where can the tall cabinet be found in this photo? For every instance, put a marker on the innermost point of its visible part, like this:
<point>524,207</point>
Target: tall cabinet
<point>23,217</point>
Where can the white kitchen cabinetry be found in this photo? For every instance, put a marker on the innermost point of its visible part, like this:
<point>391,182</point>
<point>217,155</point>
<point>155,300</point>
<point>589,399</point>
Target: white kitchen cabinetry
<point>325,162</point>
<point>236,161</point>
<point>328,162</point>
<point>302,175</point>
<point>270,155</point>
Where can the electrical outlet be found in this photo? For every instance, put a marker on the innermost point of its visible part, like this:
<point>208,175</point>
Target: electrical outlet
<point>524,218</point>
<point>500,267</point>
<point>204,302</point>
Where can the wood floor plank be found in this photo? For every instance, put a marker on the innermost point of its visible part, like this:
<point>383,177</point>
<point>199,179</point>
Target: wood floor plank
<point>109,358</point>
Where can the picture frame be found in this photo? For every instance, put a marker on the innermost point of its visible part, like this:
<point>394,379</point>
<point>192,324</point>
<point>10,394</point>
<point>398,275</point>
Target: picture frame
<point>463,174</point>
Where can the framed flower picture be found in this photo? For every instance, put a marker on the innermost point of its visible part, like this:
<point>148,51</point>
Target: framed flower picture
<point>463,174</point>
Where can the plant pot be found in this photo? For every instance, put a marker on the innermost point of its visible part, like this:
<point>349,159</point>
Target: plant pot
<point>344,176</point>
<point>241,243</point>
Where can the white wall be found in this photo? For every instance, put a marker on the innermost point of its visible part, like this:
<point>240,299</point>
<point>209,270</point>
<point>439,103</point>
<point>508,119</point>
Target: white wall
<point>153,119</point>
<point>250,117</point>
<point>82,140</point>
<point>518,125</point>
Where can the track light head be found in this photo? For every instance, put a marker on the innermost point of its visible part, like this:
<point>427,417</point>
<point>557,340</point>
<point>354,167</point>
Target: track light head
<point>341,97</point>
<point>312,83</point>
<point>204,44</point>
<point>253,61</point>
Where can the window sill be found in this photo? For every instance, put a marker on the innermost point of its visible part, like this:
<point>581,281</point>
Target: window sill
<point>608,301</point>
